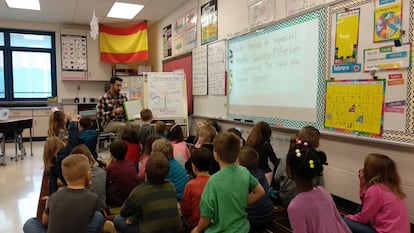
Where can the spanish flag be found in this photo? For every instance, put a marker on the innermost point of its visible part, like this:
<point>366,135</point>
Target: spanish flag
<point>124,45</point>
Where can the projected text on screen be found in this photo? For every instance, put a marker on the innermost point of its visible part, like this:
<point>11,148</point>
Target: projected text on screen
<point>274,72</point>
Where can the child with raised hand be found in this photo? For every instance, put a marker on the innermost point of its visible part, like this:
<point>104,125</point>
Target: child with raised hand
<point>50,149</point>
<point>228,192</point>
<point>383,207</point>
<point>176,173</point>
<point>259,139</point>
<point>121,175</point>
<point>73,208</point>
<point>260,214</point>
<point>313,208</point>
<point>200,163</point>
<point>130,137</point>
<point>56,170</point>
<point>145,155</point>
<point>152,206</point>
<point>176,137</point>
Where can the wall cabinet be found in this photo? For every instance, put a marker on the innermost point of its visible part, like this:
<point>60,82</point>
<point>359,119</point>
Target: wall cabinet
<point>18,114</point>
<point>71,108</point>
<point>97,70</point>
<point>40,120</point>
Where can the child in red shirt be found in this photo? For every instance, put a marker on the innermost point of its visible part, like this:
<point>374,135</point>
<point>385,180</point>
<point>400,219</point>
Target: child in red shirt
<point>200,162</point>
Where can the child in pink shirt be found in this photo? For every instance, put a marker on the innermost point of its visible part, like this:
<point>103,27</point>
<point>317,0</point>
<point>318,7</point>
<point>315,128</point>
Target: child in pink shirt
<point>313,208</point>
<point>383,208</point>
<point>176,136</point>
<point>145,155</point>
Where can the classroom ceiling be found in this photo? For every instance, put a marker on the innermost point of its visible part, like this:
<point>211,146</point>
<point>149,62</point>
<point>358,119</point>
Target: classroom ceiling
<point>80,11</point>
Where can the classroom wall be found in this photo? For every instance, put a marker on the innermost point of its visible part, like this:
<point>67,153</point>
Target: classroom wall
<point>345,155</point>
<point>65,89</point>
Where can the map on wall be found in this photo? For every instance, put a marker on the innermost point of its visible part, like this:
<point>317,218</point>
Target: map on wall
<point>74,55</point>
<point>355,106</point>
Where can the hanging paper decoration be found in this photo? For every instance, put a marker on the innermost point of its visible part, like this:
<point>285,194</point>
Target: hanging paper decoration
<point>94,26</point>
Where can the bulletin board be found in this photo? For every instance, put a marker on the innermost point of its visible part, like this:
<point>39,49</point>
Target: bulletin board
<point>376,50</point>
<point>355,106</point>
<point>182,63</point>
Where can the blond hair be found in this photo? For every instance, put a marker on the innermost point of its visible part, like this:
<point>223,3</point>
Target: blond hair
<point>380,168</point>
<point>164,146</point>
<point>57,121</point>
<point>52,146</point>
<point>84,150</point>
<point>75,167</point>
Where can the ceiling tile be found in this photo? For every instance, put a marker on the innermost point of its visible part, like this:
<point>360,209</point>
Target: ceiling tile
<point>58,17</point>
<point>26,15</point>
<point>58,5</point>
<point>152,13</point>
<point>80,11</point>
<point>170,4</point>
<point>4,13</point>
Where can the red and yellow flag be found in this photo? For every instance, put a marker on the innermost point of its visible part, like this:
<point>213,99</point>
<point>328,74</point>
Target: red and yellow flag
<point>124,45</point>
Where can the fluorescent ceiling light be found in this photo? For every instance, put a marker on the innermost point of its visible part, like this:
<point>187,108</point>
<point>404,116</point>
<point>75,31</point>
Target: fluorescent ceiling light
<point>24,4</point>
<point>124,10</point>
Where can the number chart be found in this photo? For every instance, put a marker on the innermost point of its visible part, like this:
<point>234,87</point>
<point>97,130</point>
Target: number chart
<point>355,106</point>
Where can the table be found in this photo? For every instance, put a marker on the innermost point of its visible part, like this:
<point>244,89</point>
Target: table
<point>15,126</point>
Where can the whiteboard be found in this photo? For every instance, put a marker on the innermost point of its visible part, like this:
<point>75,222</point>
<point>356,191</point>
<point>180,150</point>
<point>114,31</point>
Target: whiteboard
<point>277,74</point>
<point>165,94</point>
<point>200,70</point>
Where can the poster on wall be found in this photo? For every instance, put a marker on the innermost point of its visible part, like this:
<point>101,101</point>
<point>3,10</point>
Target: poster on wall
<point>387,22</point>
<point>74,55</point>
<point>179,25</point>
<point>178,45</point>
<point>346,38</point>
<point>190,39</point>
<point>261,12</point>
<point>167,41</point>
<point>346,42</point>
<point>191,19</point>
<point>355,106</point>
<point>209,22</point>
<point>296,6</point>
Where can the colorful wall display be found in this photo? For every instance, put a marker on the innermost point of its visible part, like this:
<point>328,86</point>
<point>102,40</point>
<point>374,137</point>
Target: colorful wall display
<point>387,58</point>
<point>167,40</point>
<point>387,23</point>
<point>209,22</point>
<point>355,106</point>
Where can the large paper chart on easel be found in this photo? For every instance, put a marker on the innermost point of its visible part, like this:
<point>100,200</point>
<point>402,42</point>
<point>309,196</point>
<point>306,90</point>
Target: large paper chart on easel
<point>165,94</point>
<point>355,106</point>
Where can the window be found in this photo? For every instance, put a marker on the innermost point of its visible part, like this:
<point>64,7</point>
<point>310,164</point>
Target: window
<point>27,65</point>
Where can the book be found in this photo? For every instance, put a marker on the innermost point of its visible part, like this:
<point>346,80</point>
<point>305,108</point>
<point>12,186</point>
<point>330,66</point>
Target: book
<point>133,109</point>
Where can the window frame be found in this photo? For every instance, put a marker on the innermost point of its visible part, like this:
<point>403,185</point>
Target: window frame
<point>8,66</point>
